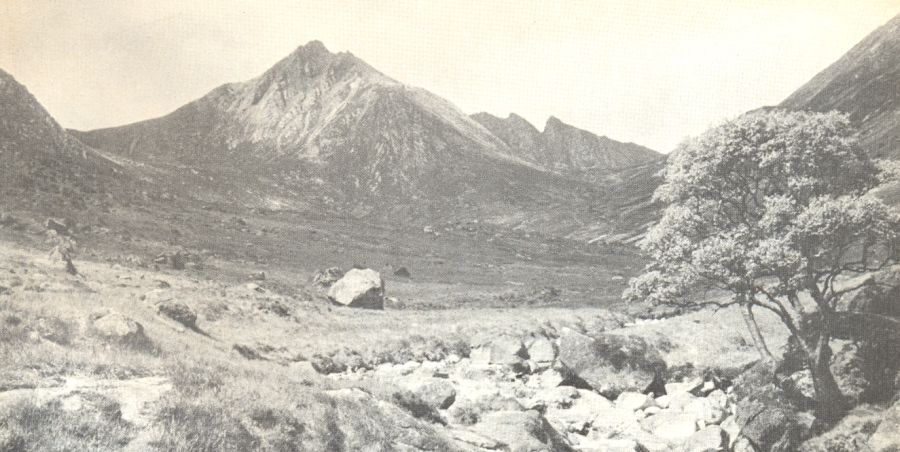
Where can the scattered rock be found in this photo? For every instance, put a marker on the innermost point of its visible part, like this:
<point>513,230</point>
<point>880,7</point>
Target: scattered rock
<point>578,416</point>
<point>254,287</point>
<point>504,350</point>
<point>611,364</point>
<point>634,401</point>
<point>326,278</point>
<point>402,272</point>
<point>178,312</point>
<point>359,289</point>
<point>59,226</point>
<point>327,365</point>
<point>117,328</point>
<point>710,439</point>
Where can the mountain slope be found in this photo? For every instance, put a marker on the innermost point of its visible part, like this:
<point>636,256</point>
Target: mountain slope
<point>564,148</point>
<point>40,164</point>
<point>865,83</point>
<point>328,133</point>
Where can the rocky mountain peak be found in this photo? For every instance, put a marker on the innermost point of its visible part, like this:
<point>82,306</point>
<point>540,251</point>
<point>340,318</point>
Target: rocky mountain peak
<point>554,123</point>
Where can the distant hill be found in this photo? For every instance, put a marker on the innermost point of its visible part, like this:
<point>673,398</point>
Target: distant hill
<point>326,132</point>
<point>40,164</point>
<point>564,148</point>
<point>865,83</point>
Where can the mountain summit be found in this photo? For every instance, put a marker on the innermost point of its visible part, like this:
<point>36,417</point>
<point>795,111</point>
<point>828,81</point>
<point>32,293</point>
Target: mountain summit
<point>865,83</point>
<point>326,132</point>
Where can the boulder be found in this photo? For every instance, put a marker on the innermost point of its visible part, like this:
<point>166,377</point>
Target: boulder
<point>887,436</point>
<point>503,350</point>
<point>326,278</point>
<point>522,431</point>
<point>671,426</point>
<point>771,426</point>
<point>117,328</point>
<point>709,439</point>
<point>634,401</point>
<point>258,276</point>
<point>178,312</point>
<point>437,393</point>
<point>541,352</point>
<point>359,289</point>
<point>611,364</point>
<point>878,294</point>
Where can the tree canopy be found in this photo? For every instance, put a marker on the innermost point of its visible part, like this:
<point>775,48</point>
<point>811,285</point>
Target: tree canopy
<point>774,207</point>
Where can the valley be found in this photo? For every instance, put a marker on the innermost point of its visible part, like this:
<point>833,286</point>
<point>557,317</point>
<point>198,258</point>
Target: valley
<point>176,284</point>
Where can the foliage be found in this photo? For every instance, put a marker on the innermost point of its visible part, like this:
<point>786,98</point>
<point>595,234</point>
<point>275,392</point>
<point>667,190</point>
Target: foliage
<point>773,207</point>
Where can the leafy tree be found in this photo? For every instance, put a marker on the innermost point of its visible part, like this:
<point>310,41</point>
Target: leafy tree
<point>775,209</point>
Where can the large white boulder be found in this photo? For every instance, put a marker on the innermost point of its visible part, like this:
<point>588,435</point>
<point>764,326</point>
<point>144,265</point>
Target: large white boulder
<point>359,289</point>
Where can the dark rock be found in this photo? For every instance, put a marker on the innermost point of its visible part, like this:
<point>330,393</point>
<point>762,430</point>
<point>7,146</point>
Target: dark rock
<point>60,227</point>
<point>326,365</point>
<point>248,352</point>
<point>402,272</point>
<point>772,426</point>
<point>850,434</point>
<point>326,278</point>
<point>178,312</point>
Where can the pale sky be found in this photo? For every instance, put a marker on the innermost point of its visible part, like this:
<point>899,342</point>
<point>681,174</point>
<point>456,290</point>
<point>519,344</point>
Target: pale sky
<point>651,72</point>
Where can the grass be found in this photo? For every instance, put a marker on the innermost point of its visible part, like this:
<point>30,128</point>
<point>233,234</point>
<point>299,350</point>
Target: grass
<point>221,401</point>
<point>49,428</point>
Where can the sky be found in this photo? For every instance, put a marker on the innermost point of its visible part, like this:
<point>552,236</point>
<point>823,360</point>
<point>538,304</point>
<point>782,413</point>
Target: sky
<point>650,72</point>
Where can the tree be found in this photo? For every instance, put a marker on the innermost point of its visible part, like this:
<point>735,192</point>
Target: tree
<point>775,209</point>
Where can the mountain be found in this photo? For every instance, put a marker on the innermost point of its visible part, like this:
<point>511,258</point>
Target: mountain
<point>326,132</point>
<point>564,148</point>
<point>865,83</point>
<point>41,165</point>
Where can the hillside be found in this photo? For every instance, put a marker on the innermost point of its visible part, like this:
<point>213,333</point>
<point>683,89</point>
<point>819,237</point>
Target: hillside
<point>41,165</point>
<point>865,83</point>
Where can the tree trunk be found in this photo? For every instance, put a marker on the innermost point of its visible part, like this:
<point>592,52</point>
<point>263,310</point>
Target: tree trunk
<point>758,340</point>
<point>830,402</point>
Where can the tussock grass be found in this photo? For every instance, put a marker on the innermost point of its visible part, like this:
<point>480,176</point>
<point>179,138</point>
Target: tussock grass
<point>49,428</point>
